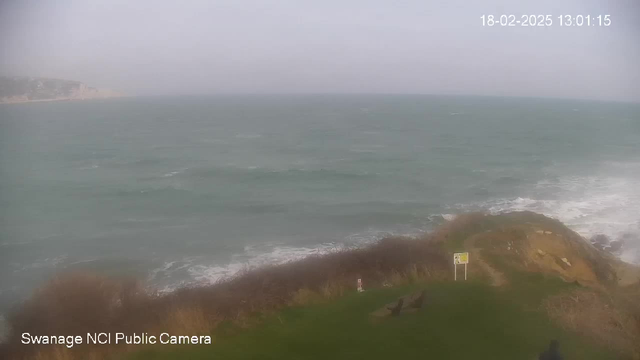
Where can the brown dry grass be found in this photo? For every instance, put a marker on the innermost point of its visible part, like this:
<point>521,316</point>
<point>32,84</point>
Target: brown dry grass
<point>76,304</point>
<point>189,321</point>
<point>455,231</point>
<point>598,316</point>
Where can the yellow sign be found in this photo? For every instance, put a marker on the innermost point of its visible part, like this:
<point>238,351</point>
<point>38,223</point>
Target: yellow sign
<point>461,258</point>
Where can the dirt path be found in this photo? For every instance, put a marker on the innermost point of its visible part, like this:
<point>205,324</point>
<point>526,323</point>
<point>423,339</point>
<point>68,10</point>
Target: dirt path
<point>497,277</point>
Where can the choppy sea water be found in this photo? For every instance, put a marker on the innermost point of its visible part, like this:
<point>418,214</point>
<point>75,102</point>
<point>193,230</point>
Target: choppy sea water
<point>188,190</point>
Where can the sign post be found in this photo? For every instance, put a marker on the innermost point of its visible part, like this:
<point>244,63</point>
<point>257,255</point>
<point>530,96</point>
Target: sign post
<point>460,258</point>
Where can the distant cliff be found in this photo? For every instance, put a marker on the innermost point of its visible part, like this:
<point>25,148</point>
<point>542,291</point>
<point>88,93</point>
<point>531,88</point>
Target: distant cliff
<point>17,89</point>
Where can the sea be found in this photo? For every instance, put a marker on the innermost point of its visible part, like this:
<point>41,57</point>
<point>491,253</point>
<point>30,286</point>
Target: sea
<point>182,191</point>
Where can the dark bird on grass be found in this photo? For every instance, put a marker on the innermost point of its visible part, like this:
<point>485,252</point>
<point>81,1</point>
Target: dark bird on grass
<point>552,353</point>
<point>395,311</point>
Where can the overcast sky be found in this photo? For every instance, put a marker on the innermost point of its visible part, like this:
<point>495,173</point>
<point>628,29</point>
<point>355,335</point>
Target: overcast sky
<point>156,47</point>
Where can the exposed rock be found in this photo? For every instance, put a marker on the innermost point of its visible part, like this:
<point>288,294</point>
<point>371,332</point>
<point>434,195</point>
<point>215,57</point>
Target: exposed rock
<point>566,261</point>
<point>600,241</point>
<point>604,243</point>
<point>615,246</point>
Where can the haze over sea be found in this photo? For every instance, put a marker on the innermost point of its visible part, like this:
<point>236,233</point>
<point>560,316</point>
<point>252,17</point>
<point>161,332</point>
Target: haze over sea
<point>185,190</point>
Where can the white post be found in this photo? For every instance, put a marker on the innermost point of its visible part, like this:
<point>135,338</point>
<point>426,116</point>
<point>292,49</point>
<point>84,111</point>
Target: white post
<point>455,272</point>
<point>465,271</point>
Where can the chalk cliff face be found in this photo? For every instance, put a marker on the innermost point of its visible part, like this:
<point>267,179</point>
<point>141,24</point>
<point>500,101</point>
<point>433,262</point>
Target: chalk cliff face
<point>16,89</point>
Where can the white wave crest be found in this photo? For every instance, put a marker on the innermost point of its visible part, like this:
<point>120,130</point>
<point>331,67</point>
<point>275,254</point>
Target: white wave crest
<point>448,217</point>
<point>202,271</point>
<point>174,173</point>
<point>588,205</point>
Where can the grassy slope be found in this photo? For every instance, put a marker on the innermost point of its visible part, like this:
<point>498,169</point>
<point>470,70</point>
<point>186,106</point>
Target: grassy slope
<point>464,319</point>
<point>469,320</point>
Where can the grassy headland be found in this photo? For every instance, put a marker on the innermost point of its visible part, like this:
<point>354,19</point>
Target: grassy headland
<point>458,320</point>
<point>553,285</point>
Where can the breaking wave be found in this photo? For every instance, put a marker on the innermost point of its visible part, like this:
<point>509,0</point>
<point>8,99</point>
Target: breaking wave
<point>589,205</point>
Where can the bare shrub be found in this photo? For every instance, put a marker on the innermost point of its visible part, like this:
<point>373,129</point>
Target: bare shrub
<point>304,296</point>
<point>191,321</point>
<point>590,314</point>
<point>76,304</point>
<point>461,224</point>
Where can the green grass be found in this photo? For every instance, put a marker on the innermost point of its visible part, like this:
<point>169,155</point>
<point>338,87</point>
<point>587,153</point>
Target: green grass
<point>464,319</point>
<point>528,288</point>
<point>470,320</point>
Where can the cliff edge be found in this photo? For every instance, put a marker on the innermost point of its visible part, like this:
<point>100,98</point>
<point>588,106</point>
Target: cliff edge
<point>20,89</point>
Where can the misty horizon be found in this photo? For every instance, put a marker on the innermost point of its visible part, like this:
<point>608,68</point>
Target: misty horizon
<point>223,47</point>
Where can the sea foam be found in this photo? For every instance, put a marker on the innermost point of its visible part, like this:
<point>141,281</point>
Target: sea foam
<point>589,205</point>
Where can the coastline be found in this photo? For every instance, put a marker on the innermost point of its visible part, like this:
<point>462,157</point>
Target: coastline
<point>61,99</point>
<point>529,244</point>
<point>21,89</point>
